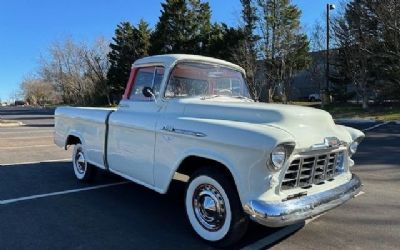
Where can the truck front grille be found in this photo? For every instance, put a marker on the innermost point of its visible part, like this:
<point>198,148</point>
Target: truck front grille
<point>308,170</point>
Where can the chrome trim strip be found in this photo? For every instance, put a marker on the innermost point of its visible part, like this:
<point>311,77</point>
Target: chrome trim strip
<point>183,131</point>
<point>277,214</point>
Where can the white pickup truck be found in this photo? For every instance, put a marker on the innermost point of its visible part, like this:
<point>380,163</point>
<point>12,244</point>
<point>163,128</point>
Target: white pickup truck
<point>274,164</point>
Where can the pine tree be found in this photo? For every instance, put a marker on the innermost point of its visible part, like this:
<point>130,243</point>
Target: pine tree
<point>129,44</point>
<point>224,42</point>
<point>246,55</point>
<point>183,27</point>
<point>285,47</point>
<point>357,36</point>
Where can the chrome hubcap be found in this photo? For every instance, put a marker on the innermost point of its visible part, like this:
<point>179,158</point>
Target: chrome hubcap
<point>80,162</point>
<point>209,207</point>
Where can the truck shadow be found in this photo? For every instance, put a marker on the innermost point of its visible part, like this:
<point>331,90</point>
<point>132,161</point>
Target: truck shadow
<point>123,216</point>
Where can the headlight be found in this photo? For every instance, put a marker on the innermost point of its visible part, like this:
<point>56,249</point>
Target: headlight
<point>278,157</point>
<point>353,147</point>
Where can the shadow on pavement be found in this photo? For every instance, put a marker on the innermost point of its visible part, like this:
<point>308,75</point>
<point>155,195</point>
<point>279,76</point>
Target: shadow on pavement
<point>124,216</point>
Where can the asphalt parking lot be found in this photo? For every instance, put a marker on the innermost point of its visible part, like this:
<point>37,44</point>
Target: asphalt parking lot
<point>42,206</point>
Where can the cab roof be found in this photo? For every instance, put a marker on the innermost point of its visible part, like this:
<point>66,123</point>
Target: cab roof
<point>169,60</point>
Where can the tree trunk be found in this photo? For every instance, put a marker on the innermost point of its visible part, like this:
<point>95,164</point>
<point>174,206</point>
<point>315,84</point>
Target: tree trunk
<point>365,100</point>
<point>270,94</point>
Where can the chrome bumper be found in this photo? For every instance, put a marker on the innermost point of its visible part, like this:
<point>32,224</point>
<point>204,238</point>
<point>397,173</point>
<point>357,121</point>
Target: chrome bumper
<point>277,214</point>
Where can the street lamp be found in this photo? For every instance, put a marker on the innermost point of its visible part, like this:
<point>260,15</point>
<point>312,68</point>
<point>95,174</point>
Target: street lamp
<point>329,7</point>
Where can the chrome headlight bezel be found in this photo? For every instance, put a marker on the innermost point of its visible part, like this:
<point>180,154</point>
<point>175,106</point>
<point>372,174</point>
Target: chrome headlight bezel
<point>353,146</point>
<point>279,155</point>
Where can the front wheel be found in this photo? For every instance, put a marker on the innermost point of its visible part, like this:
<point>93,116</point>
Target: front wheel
<point>82,169</point>
<point>214,209</point>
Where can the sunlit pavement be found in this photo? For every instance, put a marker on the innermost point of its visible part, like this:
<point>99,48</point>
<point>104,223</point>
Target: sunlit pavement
<point>42,206</point>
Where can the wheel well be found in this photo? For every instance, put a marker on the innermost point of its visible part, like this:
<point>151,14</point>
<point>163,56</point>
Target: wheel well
<point>192,163</point>
<point>72,140</point>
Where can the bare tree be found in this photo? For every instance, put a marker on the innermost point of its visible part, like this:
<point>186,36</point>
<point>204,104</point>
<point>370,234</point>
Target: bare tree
<point>38,92</point>
<point>77,70</point>
<point>317,68</point>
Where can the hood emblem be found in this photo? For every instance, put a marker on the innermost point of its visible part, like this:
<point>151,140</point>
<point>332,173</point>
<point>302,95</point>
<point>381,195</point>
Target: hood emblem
<point>329,142</point>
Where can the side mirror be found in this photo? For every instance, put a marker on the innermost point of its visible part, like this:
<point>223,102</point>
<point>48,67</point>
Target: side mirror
<point>148,92</point>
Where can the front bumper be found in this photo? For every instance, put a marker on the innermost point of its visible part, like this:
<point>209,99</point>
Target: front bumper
<point>277,214</point>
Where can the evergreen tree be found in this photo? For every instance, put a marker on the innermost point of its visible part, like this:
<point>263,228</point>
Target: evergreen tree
<point>183,27</point>
<point>357,36</point>
<point>246,54</point>
<point>224,42</point>
<point>285,49</point>
<point>129,44</point>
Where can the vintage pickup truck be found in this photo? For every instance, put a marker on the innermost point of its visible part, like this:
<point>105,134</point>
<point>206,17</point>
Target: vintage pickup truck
<point>274,164</point>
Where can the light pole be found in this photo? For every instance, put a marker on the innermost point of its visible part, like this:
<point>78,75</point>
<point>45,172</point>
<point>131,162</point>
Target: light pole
<point>326,97</point>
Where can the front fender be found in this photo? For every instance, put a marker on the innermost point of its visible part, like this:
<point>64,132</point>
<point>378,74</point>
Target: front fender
<point>244,153</point>
<point>354,133</point>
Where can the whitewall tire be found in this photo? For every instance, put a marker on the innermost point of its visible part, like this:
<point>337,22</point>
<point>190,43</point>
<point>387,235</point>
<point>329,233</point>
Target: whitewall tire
<point>82,169</point>
<point>213,208</point>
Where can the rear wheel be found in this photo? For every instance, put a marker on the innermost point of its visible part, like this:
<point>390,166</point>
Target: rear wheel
<point>82,169</point>
<point>214,209</point>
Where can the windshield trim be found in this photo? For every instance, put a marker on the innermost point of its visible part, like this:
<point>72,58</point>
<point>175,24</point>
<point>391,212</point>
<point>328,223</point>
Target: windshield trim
<point>175,64</point>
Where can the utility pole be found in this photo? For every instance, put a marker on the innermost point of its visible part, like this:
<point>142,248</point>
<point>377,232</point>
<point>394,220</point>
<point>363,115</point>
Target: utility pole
<point>326,97</point>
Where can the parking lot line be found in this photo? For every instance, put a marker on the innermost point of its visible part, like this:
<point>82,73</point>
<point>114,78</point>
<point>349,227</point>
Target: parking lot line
<point>24,131</point>
<point>34,162</point>
<point>26,138</point>
<point>375,126</point>
<point>28,146</point>
<point>272,238</point>
<point>38,196</point>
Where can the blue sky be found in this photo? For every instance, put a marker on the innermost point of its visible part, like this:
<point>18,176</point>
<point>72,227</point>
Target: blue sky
<point>28,27</point>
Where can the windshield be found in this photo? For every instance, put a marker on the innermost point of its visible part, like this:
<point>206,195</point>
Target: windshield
<point>207,81</point>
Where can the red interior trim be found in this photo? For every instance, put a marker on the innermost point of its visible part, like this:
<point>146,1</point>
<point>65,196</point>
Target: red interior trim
<point>129,85</point>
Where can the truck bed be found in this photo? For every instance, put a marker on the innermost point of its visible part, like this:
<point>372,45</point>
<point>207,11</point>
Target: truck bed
<point>86,124</point>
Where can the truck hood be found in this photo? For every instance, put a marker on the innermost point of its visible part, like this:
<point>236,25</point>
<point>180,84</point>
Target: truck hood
<point>308,126</point>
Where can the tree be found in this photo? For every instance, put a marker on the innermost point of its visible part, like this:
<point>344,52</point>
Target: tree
<point>129,44</point>
<point>97,68</point>
<point>77,71</point>
<point>246,53</point>
<point>225,42</point>
<point>183,27</point>
<point>357,37</point>
<point>317,67</point>
<point>284,47</point>
<point>38,92</point>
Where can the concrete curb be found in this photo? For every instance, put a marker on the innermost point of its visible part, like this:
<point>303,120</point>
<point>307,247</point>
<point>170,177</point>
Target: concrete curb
<point>10,124</point>
<point>356,120</point>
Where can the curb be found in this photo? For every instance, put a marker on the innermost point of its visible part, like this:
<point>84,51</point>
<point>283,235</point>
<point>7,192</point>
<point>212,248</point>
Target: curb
<point>355,120</point>
<point>10,124</point>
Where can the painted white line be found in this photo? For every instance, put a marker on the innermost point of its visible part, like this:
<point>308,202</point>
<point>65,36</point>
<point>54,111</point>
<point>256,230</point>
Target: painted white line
<point>274,237</point>
<point>34,162</point>
<point>24,131</point>
<point>38,196</point>
<point>29,146</point>
<point>26,138</point>
<point>360,193</point>
<point>314,218</point>
<point>375,126</point>
<point>270,239</point>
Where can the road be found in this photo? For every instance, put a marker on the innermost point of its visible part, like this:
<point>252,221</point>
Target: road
<point>42,206</point>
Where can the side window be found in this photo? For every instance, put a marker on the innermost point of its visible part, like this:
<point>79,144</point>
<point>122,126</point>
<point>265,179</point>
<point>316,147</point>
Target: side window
<point>147,77</point>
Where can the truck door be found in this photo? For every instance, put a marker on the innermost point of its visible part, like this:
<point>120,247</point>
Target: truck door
<point>131,137</point>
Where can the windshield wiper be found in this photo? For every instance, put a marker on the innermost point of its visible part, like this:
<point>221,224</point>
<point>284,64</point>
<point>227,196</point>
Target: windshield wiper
<point>209,97</point>
<point>242,97</point>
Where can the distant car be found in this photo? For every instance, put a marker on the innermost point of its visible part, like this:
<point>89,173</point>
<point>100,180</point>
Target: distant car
<point>19,103</point>
<point>314,97</point>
